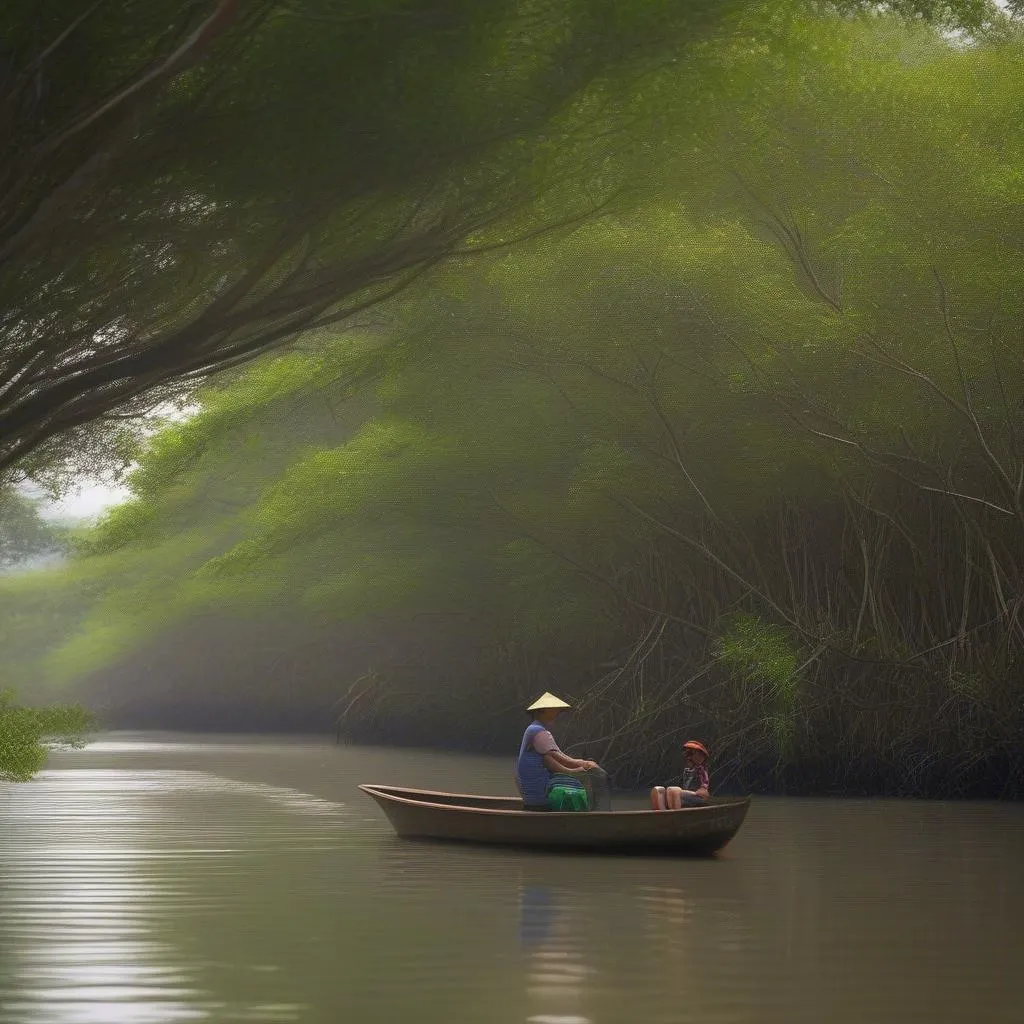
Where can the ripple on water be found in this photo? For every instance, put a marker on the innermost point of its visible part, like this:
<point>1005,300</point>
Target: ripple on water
<point>248,881</point>
<point>82,916</point>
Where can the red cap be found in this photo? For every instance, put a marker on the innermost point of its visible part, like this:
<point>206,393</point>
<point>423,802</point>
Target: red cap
<point>696,745</point>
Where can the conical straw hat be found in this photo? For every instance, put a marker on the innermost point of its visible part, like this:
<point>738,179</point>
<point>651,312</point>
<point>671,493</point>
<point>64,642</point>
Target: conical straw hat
<point>547,700</point>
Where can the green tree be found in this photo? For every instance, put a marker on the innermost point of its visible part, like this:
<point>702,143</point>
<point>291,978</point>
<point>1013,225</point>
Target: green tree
<point>26,732</point>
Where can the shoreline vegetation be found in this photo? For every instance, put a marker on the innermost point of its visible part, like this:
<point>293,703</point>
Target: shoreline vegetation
<point>742,457</point>
<point>27,734</point>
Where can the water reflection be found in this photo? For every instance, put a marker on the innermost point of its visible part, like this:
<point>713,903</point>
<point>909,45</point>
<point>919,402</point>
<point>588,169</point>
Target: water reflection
<point>556,974</point>
<point>87,899</point>
<point>537,915</point>
<point>80,917</point>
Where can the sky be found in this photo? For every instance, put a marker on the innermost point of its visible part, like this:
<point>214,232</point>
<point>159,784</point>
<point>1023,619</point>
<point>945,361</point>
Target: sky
<point>89,502</point>
<point>92,498</point>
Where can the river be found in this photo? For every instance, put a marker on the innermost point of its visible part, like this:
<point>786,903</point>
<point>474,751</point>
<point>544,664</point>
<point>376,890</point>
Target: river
<point>150,879</point>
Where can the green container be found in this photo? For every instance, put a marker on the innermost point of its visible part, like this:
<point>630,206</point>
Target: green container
<point>568,798</point>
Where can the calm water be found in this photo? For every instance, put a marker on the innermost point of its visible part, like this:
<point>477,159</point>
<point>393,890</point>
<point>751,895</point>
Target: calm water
<point>163,879</point>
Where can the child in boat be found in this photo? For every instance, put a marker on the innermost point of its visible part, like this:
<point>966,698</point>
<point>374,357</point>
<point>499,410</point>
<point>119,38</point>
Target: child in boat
<point>694,790</point>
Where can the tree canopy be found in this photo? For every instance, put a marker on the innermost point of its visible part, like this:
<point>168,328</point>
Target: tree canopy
<point>186,185</point>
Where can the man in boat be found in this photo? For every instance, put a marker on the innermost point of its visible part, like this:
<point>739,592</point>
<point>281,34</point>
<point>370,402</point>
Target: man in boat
<point>694,791</point>
<point>540,760</point>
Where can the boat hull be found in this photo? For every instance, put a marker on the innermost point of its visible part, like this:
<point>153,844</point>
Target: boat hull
<point>424,814</point>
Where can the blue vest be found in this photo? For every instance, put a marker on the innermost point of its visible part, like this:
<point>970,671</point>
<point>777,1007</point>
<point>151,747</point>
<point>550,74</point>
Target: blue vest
<point>532,775</point>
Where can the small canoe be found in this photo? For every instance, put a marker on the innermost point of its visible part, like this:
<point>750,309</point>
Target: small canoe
<point>425,814</point>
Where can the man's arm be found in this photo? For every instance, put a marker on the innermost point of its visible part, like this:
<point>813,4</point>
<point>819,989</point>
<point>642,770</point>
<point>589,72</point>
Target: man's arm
<point>557,761</point>
<point>554,760</point>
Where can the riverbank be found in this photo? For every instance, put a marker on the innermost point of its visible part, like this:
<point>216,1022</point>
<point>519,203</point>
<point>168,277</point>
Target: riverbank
<point>734,771</point>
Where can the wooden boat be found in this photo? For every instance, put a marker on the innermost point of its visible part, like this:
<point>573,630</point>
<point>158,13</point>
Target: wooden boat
<point>425,814</point>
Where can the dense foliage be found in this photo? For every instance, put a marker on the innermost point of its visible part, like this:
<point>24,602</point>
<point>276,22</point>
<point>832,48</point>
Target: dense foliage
<point>185,185</point>
<point>741,460</point>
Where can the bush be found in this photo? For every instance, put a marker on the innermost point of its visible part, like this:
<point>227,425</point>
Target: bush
<point>26,733</point>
